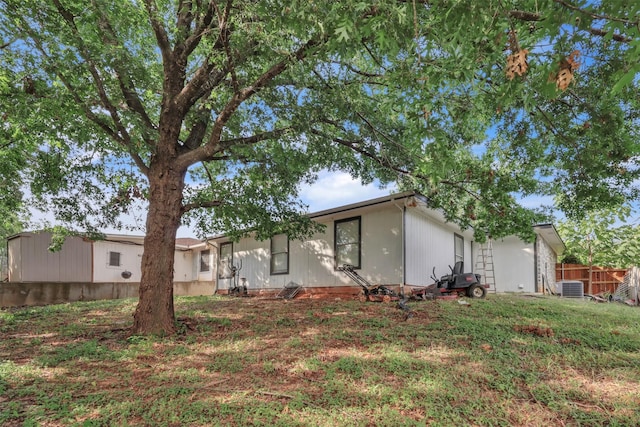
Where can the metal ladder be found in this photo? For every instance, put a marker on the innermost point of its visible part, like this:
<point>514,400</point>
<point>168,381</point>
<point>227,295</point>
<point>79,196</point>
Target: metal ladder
<point>484,265</point>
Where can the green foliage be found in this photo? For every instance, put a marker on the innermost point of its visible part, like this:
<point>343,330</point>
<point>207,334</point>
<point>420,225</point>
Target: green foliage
<point>393,91</point>
<point>607,237</point>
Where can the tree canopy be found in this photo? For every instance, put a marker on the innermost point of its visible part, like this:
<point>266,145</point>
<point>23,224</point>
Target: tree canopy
<point>605,237</point>
<point>215,111</point>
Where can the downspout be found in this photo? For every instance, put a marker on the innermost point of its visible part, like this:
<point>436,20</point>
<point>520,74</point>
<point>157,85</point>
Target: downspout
<point>535,265</point>
<point>403,209</point>
<point>214,264</point>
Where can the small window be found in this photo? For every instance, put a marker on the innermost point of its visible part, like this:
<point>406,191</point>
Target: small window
<point>280,254</point>
<point>226,261</point>
<point>205,260</point>
<point>114,259</point>
<point>458,243</point>
<point>348,242</point>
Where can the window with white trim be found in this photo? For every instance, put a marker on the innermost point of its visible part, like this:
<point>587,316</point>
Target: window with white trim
<point>279,254</point>
<point>458,244</point>
<point>348,242</point>
<point>205,260</point>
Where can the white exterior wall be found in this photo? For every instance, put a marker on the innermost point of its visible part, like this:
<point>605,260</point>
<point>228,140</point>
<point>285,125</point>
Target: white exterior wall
<point>431,244</point>
<point>311,262</point>
<point>514,265</point>
<point>183,266</point>
<point>130,260</point>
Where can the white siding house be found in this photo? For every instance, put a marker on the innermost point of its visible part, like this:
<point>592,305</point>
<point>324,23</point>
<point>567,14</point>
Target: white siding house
<point>396,240</point>
<point>527,267</point>
<point>103,269</point>
<point>96,261</point>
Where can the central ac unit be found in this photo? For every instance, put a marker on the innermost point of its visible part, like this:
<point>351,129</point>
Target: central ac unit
<point>571,288</point>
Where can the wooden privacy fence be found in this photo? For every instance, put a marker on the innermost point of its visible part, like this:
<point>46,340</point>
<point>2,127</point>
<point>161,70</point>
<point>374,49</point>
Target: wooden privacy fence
<point>603,279</point>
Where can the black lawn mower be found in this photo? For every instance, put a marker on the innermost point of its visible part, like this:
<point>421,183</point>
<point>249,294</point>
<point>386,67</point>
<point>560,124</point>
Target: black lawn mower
<point>453,285</point>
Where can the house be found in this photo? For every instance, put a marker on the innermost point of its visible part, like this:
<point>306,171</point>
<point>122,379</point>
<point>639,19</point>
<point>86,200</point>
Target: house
<point>395,240</point>
<point>85,269</point>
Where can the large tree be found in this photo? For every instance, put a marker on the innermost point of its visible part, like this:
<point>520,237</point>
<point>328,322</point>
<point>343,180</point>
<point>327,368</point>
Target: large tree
<point>605,237</point>
<point>215,111</point>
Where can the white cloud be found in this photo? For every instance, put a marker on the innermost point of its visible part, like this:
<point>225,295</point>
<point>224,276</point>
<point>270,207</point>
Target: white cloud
<point>333,189</point>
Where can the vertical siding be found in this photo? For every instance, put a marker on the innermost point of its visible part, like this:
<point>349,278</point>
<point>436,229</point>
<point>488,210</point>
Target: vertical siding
<point>182,266</point>
<point>15,259</point>
<point>36,263</point>
<point>429,245</point>
<point>547,259</point>
<point>514,265</point>
<point>75,260</point>
<point>382,246</point>
<point>254,256</point>
<point>311,262</point>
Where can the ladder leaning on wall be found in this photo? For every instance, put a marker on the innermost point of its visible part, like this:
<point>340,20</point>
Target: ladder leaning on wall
<point>484,265</point>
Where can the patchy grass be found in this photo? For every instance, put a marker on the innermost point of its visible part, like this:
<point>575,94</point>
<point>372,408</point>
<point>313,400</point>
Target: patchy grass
<point>503,361</point>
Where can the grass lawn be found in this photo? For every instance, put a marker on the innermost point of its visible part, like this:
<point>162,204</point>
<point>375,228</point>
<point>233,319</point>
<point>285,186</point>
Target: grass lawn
<point>503,361</point>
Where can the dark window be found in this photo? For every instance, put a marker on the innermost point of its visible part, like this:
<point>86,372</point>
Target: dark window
<point>348,242</point>
<point>226,260</point>
<point>458,243</point>
<point>280,254</point>
<point>205,260</point>
<point>114,259</point>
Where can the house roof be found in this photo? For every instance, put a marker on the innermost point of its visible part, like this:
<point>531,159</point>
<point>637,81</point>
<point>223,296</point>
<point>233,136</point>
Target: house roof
<point>364,204</point>
<point>188,241</point>
<point>549,233</point>
<point>182,243</point>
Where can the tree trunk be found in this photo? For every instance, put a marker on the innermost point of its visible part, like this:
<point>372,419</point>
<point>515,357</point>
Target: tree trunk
<point>155,314</point>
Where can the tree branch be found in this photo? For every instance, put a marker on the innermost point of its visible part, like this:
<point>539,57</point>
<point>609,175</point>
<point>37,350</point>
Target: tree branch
<point>199,205</point>
<point>124,137</point>
<point>532,17</point>
<point>214,145</point>
<point>203,25</point>
<point>198,130</point>
<point>250,140</point>
<point>7,44</point>
<point>616,37</point>
<point>126,85</point>
<point>525,16</point>
<point>596,15</point>
<point>185,18</point>
<point>161,35</point>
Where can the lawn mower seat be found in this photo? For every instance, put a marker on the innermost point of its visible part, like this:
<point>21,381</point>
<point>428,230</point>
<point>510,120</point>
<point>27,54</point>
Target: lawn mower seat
<point>458,267</point>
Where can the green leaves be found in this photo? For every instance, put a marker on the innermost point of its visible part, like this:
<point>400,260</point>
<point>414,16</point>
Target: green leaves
<point>603,237</point>
<point>625,80</point>
<point>267,93</point>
